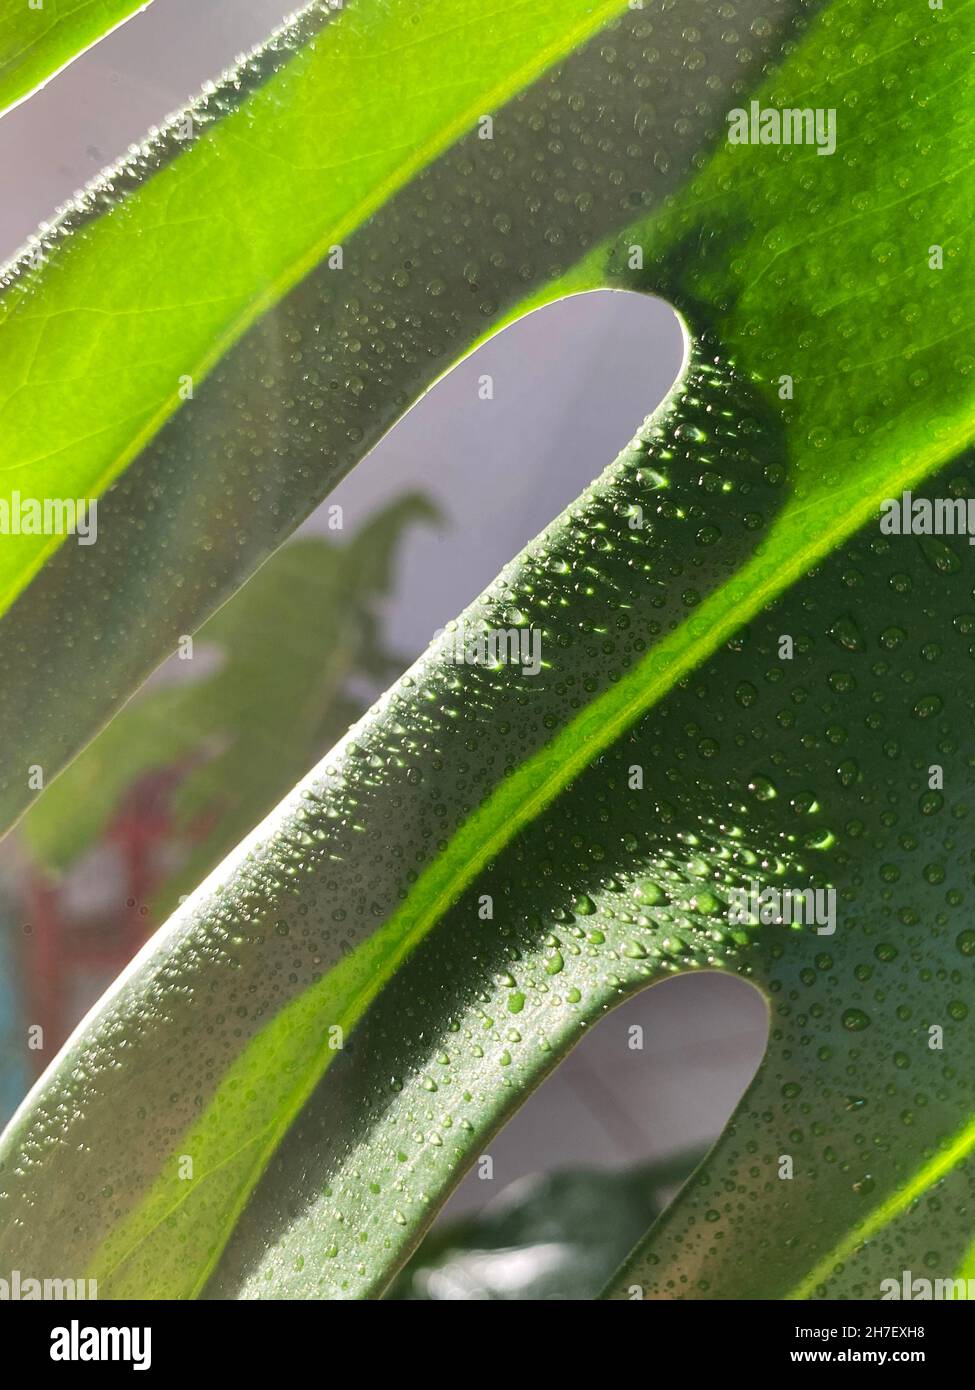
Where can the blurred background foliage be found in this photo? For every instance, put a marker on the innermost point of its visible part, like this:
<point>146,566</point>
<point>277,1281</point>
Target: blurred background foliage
<point>295,657</point>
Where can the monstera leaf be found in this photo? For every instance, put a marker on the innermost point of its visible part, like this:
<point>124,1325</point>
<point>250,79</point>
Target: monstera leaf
<point>743,684</point>
<point>339,172</point>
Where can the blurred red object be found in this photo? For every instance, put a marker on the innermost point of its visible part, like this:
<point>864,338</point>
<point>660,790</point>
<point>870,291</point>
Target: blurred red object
<point>72,956</point>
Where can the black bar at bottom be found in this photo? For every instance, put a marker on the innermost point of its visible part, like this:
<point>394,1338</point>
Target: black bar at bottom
<point>297,1338</point>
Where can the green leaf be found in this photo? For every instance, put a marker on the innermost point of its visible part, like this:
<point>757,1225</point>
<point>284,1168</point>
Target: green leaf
<point>325,123</point>
<point>246,731</point>
<point>236,468</point>
<point>37,41</point>
<point>321,140</point>
<point>341,1016</point>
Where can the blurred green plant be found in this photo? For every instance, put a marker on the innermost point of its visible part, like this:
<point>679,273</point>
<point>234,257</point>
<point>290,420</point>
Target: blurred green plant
<point>549,1236</point>
<point>291,655</point>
